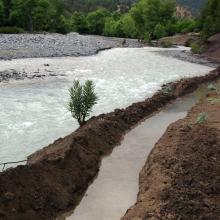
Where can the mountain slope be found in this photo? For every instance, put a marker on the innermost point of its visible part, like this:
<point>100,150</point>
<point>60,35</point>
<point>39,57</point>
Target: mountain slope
<point>194,5</point>
<point>91,5</point>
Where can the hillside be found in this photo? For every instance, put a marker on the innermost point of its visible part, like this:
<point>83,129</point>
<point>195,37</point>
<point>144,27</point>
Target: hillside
<point>194,5</point>
<point>91,5</point>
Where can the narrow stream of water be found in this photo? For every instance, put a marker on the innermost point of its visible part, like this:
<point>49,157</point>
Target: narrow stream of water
<point>116,186</point>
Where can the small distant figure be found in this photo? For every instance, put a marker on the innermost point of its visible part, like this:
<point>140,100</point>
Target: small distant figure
<point>124,42</point>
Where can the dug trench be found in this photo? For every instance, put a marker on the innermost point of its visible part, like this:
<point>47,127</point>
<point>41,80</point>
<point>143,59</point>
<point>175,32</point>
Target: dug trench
<point>185,165</point>
<point>56,177</point>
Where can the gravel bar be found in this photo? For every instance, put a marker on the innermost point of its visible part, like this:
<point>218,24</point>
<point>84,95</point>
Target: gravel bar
<point>14,46</point>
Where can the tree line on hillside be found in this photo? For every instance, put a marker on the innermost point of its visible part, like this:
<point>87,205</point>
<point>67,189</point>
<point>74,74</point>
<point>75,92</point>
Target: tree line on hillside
<point>148,19</point>
<point>92,5</point>
<point>194,5</point>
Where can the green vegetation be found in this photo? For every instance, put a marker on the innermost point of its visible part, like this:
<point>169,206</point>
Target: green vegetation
<point>92,5</point>
<point>11,30</point>
<point>196,48</point>
<point>194,5</point>
<point>214,87</point>
<point>213,100</point>
<point>82,99</point>
<point>33,15</point>
<point>146,20</point>
<point>210,18</point>
<point>185,25</point>
<point>202,118</point>
<point>165,43</point>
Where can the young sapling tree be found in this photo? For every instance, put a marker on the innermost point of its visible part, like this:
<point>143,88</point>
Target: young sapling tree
<point>82,100</point>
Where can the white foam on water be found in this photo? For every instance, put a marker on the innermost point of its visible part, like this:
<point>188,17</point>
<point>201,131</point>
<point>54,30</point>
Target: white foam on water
<point>33,113</point>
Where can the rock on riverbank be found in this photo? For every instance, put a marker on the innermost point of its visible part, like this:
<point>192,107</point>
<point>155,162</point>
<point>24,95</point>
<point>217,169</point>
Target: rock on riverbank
<point>57,45</point>
<point>12,74</point>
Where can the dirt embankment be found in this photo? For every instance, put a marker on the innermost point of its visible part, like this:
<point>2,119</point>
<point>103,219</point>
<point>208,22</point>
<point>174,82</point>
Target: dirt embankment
<point>212,48</point>
<point>56,177</point>
<point>181,177</point>
<point>180,39</point>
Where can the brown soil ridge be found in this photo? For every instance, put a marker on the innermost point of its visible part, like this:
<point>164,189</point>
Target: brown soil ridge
<point>181,177</point>
<point>212,48</point>
<point>56,177</point>
<point>180,39</point>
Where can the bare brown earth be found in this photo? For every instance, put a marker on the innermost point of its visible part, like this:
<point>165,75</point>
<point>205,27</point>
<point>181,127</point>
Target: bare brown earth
<point>56,177</point>
<point>181,177</point>
<point>180,39</point>
<point>212,48</point>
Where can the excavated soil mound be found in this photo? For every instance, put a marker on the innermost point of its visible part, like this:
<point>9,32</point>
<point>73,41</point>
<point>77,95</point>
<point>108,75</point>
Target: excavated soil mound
<point>181,178</point>
<point>56,177</point>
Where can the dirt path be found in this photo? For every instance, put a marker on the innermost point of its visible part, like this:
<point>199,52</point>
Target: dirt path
<point>56,177</point>
<point>181,178</point>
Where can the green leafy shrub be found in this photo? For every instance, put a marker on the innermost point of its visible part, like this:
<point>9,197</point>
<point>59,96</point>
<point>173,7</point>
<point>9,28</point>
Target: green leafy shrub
<point>212,86</point>
<point>147,37</point>
<point>196,48</point>
<point>210,18</point>
<point>213,100</point>
<point>11,30</point>
<point>185,25</point>
<point>202,118</point>
<point>96,20</point>
<point>82,99</point>
<point>159,31</point>
<point>166,43</point>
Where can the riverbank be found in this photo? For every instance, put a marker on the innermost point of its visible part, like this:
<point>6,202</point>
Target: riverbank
<point>210,52</point>
<point>180,179</point>
<point>17,47</point>
<point>56,177</point>
<point>61,67</point>
<point>13,46</point>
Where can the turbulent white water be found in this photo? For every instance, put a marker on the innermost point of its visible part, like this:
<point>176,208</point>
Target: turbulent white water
<point>33,112</point>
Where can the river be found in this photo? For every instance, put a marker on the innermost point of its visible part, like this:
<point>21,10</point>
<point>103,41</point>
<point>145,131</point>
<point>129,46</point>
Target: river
<point>33,112</point>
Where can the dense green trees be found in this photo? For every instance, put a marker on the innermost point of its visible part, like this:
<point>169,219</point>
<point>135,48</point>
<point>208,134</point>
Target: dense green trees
<point>78,22</point>
<point>194,5</point>
<point>148,19</point>
<point>92,5</point>
<point>121,26</point>
<point>96,21</point>
<point>33,15</point>
<point>210,18</point>
<point>1,12</point>
<point>29,14</point>
<point>156,18</point>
